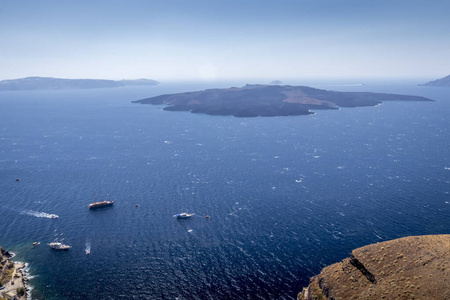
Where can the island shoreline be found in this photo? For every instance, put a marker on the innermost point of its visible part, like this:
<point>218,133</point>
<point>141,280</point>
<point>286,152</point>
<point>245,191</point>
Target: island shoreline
<point>269,100</point>
<point>19,277</point>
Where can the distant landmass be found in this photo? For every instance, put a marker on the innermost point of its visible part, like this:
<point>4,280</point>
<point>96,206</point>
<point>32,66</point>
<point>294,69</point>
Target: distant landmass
<point>276,82</point>
<point>50,83</point>
<point>438,82</point>
<point>415,267</point>
<point>269,100</point>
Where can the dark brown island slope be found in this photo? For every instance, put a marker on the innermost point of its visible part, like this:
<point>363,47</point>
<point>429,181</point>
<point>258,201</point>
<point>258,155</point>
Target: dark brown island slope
<point>269,100</point>
<point>415,267</point>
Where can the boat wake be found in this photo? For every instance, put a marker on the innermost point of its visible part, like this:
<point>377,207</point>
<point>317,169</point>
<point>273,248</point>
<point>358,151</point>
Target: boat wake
<point>39,214</point>
<point>88,247</point>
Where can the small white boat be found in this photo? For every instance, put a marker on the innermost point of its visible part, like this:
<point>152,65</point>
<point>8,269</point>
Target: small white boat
<point>183,216</point>
<point>59,246</point>
<point>100,204</point>
<point>53,216</point>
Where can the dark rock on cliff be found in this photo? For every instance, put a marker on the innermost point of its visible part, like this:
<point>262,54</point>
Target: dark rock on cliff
<point>4,253</point>
<point>416,267</point>
<point>269,100</point>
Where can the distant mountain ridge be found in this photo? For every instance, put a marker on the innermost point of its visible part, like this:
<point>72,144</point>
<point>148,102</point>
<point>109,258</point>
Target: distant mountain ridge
<point>50,83</point>
<point>438,82</point>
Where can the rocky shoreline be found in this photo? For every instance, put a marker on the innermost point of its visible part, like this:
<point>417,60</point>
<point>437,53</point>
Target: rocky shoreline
<point>14,277</point>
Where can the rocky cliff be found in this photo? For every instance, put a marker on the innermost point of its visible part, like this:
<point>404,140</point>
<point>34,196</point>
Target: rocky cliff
<point>6,266</point>
<point>416,267</point>
<point>4,253</point>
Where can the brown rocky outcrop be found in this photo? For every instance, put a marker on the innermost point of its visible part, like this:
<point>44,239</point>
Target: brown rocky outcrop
<point>416,267</point>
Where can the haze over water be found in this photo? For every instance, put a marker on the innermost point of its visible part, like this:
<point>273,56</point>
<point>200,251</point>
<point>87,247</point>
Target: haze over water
<point>286,195</point>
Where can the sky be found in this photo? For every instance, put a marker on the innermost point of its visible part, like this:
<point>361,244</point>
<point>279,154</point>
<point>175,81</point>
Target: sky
<point>224,39</point>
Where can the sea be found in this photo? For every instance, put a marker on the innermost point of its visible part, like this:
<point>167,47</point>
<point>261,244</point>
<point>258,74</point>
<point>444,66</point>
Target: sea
<point>285,196</point>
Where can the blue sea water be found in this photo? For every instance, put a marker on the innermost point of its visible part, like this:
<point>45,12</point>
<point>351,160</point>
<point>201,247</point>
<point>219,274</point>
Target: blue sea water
<point>286,196</point>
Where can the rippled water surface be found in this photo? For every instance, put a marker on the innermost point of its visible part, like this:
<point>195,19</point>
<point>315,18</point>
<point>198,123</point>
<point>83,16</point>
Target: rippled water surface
<point>285,195</point>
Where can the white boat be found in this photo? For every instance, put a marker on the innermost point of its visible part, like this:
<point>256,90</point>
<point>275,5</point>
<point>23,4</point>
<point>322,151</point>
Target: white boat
<point>100,204</point>
<point>53,216</point>
<point>59,246</point>
<point>183,216</point>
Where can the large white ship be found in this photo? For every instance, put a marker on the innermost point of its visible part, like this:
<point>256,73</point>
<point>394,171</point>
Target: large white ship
<point>59,246</point>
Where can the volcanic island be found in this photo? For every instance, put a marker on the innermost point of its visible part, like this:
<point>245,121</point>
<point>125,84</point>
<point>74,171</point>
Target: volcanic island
<point>269,100</point>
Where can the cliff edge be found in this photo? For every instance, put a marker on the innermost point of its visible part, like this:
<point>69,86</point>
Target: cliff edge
<point>415,267</point>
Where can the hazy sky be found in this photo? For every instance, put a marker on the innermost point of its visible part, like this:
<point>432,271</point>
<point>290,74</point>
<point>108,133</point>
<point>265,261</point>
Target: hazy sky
<point>224,39</point>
